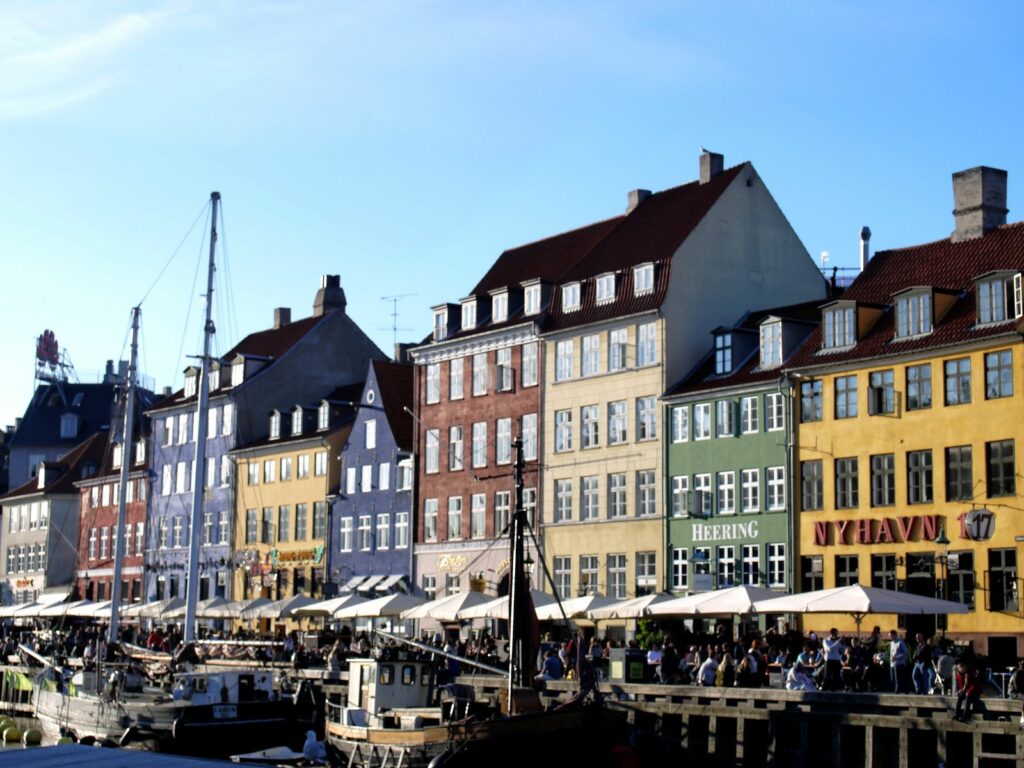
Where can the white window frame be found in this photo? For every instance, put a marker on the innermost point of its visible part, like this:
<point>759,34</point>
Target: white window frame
<point>590,361</point>
<point>771,344</point>
<point>456,378</point>
<point>646,344</point>
<point>750,482</point>
<point>839,327</point>
<point>618,349</point>
<point>749,421</point>
<point>564,359</point>
<point>776,570</point>
<point>478,515</point>
<point>480,374</point>
<point>775,479</point>
<point>590,504</point>
<point>529,353</point>
<point>590,429</point>
<point>725,418</point>
<point>703,499</point>
<point>529,427</point>
<point>469,315</point>
<point>680,496</point>
<point>563,430</point>
<point>727,493</point>
<point>433,383</point>
<point>775,414</point>
<point>454,518</point>
<point>646,493</point>
<point>643,279</point>
<point>370,434</point>
<point>570,297</point>
<point>605,288</point>
<point>345,535</point>
<point>430,513</point>
<point>479,444</point>
<point>618,422</point>
<point>499,307</point>
<point>563,501</point>
<point>680,423</point>
<point>531,300</point>
<point>456,461</point>
<point>702,421</point>
<point>646,418</point>
<point>503,370</point>
<point>401,530</point>
<point>503,441</point>
<point>432,452</point>
<point>680,569</point>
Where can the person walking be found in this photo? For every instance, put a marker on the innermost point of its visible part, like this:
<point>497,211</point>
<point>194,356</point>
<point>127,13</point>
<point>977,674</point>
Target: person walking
<point>898,659</point>
<point>833,647</point>
<point>924,671</point>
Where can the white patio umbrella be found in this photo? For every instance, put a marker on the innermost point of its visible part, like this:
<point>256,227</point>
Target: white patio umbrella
<point>161,609</point>
<point>447,608</point>
<point>63,609</point>
<point>733,601</point>
<point>211,607</point>
<point>221,608</point>
<point>327,608</point>
<point>389,605</point>
<point>498,609</point>
<point>284,608</point>
<point>859,601</point>
<point>100,610</point>
<point>574,608</point>
<point>251,609</point>
<point>634,608</point>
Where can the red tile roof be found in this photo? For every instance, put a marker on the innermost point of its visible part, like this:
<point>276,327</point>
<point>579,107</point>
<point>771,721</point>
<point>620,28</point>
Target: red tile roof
<point>395,383</point>
<point>942,264</point>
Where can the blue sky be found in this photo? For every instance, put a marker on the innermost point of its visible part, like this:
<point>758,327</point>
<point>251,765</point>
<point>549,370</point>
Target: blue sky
<point>404,145</point>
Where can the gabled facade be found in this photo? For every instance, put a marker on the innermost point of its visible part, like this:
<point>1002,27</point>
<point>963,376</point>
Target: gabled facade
<point>372,517</point>
<point>292,362</point>
<point>909,409</point>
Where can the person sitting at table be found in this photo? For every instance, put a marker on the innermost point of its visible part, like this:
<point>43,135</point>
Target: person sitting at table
<point>799,680</point>
<point>810,661</point>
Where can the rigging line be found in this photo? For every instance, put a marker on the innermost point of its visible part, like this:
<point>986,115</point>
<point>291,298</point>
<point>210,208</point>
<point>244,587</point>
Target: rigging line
<point>188,312</point>
<point>175,253</point>
<point>230,312</point>
<point>488,548</point>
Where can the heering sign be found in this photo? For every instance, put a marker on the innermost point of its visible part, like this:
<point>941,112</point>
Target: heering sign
<point>724,531</point>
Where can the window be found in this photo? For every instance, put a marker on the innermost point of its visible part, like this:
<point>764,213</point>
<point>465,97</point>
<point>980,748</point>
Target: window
<point>646,345</point>
<point>726,567</point>
<point>748,415</point>
<point>810,400</point>
<point>284,523</point>
<point>275,425</point>
<point>776,482</point>
<point>323,417</point>
<point>115,458</point>
<point>680,495</point>
<point>750,564</point>
<point>181,477</point>
<point>455,449</point>
<point>563,360</point>
<point>726,493</point>
<point>269,470</point>
<point>680,570</point>
<point>840,327</point>
<point>771,344</point>
<point>432,452</point>
<point>286,468</point>
<point>680,424</point>
<point>774,412</point>
<point>883,571</point>
<point>643,279</point>
<point>529,372</point>
<point>430,519</point>
<point>959,474</point>
<point>384,475</point>
<point>616,495</point>
<point>319,519</point>
<point>503,441</point>
<point>529,427</point>
<point>617,576</point>
<point>563,431</point>
<point>646,499</point>
<point>266,527</point>
<point>502,511</point>
<point>429,587</point>
<point>591,355</point>
<point>169,430</point>
<point>92,547</point>
<point>570,297</point>
<point>480,444</point>
<point>702,421</point>
<point>617,422</point>
<point>750,480</point>
<point>477,515</point>
<point>480,382</point>
<point>503,371</point>
<point>383,531</point>
<point>433,383</point>
<point>724,424</point>
<point>207,528</point>
<point>563,501</point>
<point>1000,469</point>
<point>345,535</point>
<point>365,532</point>
<point>224,530</point>
<point>999,299</point>
<point>958,381</point>
<point>919,477</point>
<point>183,429</point>
<point>919,387</point>
<point>883,480</point>
<point>468,315</point>
<point>961,577</point>
<point>499,307</point>
<point>882,395</point>
<point>723,353</point>
<point>846,397</point>
<point>589,507</point>
<point>998,374</point>
<point>350,480</point>
<point>563,576</point>
<point>776,565</point>
<point>229,418</point>
<point>846,483</point>
<point>605,288</point>
<point>847,570</point>
<point>531,300</point>
<point>320,463</point>
<point>440,324</point>
<point>140,451</point>
<point>617,350</point>
<point>646,418</point>
<point>225,471</point>
<point>296,422</point>
<point>646,573</point>
<point>454,517</point>
<point>401,530</point>
<point>404,474</point>
<point>589,415</point>
<point>913,315</point>
<point>588,574</point>
<point>811,567</point>
<point>301,526</point>
<point>702,495</point>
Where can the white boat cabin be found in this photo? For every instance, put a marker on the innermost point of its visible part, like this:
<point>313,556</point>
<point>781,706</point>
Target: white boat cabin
<point>224,687</point>
<point>380,689</point>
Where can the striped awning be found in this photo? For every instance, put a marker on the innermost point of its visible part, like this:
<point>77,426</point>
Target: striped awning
<point>370,582</point>
<point>389,582</point>
<point>353,583</point>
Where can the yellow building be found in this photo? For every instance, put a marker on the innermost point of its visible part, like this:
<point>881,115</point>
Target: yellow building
<point>910,402</point>
<point>282,502</point>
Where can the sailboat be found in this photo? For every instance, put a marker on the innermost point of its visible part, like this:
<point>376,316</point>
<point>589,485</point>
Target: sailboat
<point>206,711</point>
<point>389,718</point>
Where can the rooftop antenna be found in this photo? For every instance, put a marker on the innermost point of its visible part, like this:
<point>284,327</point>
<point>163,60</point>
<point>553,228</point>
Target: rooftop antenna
<point>394,315</point>
<point>824,260</point>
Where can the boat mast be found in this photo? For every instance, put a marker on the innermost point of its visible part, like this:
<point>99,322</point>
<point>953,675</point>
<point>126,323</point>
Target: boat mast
<point>199,468</point>
<point>127,444</point>
<point>521,650</point>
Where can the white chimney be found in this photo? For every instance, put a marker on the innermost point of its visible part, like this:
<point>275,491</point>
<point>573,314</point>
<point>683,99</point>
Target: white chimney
<point>865,247</point>
<point>636,197</point>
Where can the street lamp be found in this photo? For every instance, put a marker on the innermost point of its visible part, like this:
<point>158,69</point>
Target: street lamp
<point>943,541</point>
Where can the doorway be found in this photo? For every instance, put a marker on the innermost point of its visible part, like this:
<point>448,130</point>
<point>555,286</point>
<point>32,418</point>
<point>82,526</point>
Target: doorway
<point>921,581</point>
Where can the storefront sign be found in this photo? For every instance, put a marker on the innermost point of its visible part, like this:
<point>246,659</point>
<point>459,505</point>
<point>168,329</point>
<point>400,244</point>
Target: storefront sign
<point>724,531</point>
<point>452,563</point>
<point>25,583</point>
<point>882,531</point>
<point>978,524</point>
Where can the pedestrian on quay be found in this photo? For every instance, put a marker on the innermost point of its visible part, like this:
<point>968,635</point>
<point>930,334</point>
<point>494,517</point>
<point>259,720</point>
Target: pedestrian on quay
<point>924,670</point>
<point>899,657</point>
<point>833,648</point>
<point>968,691</point>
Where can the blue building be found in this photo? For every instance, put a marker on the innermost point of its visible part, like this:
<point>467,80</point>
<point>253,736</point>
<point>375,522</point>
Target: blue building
<point>289,362</point>
<point>371,542</point>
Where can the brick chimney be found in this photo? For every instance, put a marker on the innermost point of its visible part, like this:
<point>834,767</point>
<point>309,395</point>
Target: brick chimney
<point>711,164</point>
<point>979,200</point>
<point>636,197</point>
<point>330,296</point>
<point>282,316</point>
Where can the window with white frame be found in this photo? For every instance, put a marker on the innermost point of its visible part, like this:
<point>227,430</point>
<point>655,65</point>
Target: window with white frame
<point>345,535</point>
<point>183,420</point>
<point>617,422</point>
<point>589,416</point>
<point>115,458</point>
<point>646,573</point>
<point>477,515</point>
<point>680,569</point>
<point>179,531</point>
<point>646,499</point>
<point>469,315</point>
<point>562,576</point>
<point>430,519</point>
<point>750,481</point>
<point>774,413</point>
<point>531,300</point>
<point>370,434</point>
<point>440,324</point>
<point>323,416</point>
<point>528,375</point>
<point>181,477</point>
<point>319,519</point>
<point>225,470</point>
<point>643,279</point>
<point>207,528</point>
<point>680,495</point>
<point>286,467</point>
<point>503,369</point>
<point>301,521</point>
<point>383,531</point>
<point>455,379</point>
<point>503,441</point>
<point>405,467</point>
<point>563,360</point>
<point>771,344</point>
<point>365,531</point>
<point>190,384</point>
<point>646,345</point>
<point>284,523</point>
<point>617,576</point>
<point>140,452</point>
<point>224,528</point>
<point>725,424</point>
<point>776,481</point>
<point>588,575</point>
<point>529,436</point>
<point>605,288</point>
<point>646,418</point>
<point>296,423</point>
<point>350,480</point>
<point>432,452</point>
<point>750,556</point>
<point>591,355</point>
<point>502,511</point>
<point>563,430</point>
<point>433,383</point>
<point>92,545</point>
<point>616,495</point>
<point>169,430</point>
<point>913,314</point>
<point>530,505</point>
<point>726,493</point>
<point>454,449</point>
<point>840,327</point>
<point>702,494</point>
<point>776,565</point>
<point>726,567</point>
<point>998,298</point>
<point>499,307</point>
<point>748,415</point>
<point>320,463</point>
<point>723,353</point>
<point>384,476</point>
<point>269,470</point>
<point>454,518</point>
<point>401,530</point>
<point>480,374</point>
<point>589,506</point>
<point>680,424</point>
<point>570,297</point>
<point>617,343</point>
<point>227,423</point>
<point>702,421</point>
<point>140,538</point>
<point>238,372</point>
<point>563,501</point>
<point>479,449</point>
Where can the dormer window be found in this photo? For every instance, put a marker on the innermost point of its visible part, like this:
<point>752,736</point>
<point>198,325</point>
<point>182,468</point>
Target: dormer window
<point>998,297</point>
<point>440,324</point>
<point>116,456</point>
<point>140,452</point>
<point>531,300</point>
<point>190,384</point>
<point>643,279</point>
<point>323,416</point>
<point>913,314</point>
<point>840,326</point>
<point>296,422</point>
<point>606,288</point>
<point>68,425</point>
<point>238,372</point>
<point>469,315</point>
<point>499,307</point>
<point>771,344</point>
<point>275,425</point>
<point>213,378</point>
<point>570,297</point>
<point>723,353</point>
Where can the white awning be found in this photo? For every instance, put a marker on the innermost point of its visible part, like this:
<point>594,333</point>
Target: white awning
<point>389,582</point>
<point>353,583</point>
<point>367,585</point>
